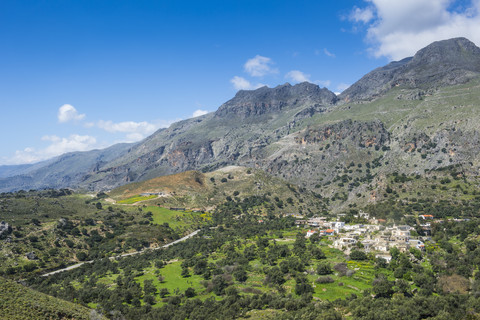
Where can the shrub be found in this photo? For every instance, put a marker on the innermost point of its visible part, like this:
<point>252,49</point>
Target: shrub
<point>324,268</point>
<point>326,279</point>
<point>341,268</point>
<point>358,255</point>
<point>190,293</point>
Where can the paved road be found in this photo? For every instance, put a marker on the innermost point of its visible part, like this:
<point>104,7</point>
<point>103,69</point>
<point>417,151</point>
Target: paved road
<point>194,233</point>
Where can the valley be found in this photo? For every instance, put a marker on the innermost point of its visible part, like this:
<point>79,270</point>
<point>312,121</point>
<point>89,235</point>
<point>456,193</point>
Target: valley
<point>289,202</point>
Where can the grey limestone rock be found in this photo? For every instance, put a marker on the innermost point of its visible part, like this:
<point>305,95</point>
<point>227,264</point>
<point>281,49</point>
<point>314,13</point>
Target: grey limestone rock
<point>441,63</point>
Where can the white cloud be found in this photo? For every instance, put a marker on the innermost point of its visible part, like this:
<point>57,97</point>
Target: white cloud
<point>126,126</point>
<point>56,147</point>
<point>361,15</point>
<point>259,66</point>
<point>240,83</point>
<point>134,131</point>
<point>27,155</point>
<point>342,86</point>
<point>133,137</point>
<point>323,83</point>
<point>74,142</point>
<point>328,53</point>
<point>297,76</point>
<point>68,112</point>
<point>400,28</point>
<point>198,113</point>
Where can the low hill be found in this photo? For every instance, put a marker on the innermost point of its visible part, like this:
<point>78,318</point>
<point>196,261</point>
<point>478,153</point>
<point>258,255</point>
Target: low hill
<point>196,190</point>
<point>18,303</point>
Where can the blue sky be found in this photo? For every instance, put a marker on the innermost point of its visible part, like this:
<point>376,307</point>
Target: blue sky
<point>78,75</point>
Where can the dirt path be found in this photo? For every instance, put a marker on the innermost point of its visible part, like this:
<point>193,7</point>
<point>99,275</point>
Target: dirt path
<point>194,233</point>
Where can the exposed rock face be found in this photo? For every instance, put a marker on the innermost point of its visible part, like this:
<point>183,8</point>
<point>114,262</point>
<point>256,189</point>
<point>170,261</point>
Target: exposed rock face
<point>31,256</point>
<point>5,229</point>
<point>371,133</point>
<point>442,63</point>
<point>301,132</point>
<point>314,152</point>
<point>249,103</point>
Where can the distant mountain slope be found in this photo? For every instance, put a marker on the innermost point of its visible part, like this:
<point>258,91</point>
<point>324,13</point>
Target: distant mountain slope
<point>442,63</point>
<point>13,170</point>
<point>67,170</point>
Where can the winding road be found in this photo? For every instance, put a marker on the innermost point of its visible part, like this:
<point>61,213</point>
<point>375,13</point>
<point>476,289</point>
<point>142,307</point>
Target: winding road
<point>194,233</point>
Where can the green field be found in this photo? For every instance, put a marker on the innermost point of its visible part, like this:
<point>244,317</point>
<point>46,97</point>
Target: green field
<point>342,287</point>
<point>176,219</point>
<point>136,199</point>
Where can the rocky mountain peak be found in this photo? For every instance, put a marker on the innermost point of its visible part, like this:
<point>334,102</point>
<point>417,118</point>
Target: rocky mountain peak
<point>459,52</point>
<point>265,100</point>
<point>446,62</point>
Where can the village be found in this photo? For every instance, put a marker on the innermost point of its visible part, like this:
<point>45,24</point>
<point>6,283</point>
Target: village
<point>374,236</point>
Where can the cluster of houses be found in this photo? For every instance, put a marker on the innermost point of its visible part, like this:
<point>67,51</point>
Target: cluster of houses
<point>373,237</point>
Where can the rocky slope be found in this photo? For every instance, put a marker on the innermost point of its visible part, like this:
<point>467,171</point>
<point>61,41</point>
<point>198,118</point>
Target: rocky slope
<point>440,64</point>
<point>67,170</point>
<point>235,134</point>
<point>412,116</point>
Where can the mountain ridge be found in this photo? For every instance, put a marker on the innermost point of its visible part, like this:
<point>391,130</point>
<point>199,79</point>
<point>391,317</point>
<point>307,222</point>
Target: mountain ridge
<point>307,134</point>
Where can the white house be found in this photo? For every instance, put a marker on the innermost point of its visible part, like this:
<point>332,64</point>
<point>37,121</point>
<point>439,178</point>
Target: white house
<point>311,233</point>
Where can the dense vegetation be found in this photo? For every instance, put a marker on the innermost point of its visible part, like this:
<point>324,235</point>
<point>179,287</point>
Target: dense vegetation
<point>249,263</point>
<point>50,229</point>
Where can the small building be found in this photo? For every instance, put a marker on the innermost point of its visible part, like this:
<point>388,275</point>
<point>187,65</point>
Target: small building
<point>301,222</point>
<point>382,246</point>
<point>426,216</point>
<point>328,232</point>
<point>316,222</point>
<point>347,241</point>
<point>311,233</point>
<point>387,257</point>
<point>338,225</point>
<point>368,245</point>
<point>416,244</point>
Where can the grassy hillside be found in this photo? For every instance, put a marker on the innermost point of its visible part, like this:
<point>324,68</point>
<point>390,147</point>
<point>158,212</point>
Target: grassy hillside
<point>21,303</point>
<point>204,191</point>
<point>50,229</point>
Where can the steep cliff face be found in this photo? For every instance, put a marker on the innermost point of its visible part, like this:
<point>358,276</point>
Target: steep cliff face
<point>248,103</point>
<point>236,134</point>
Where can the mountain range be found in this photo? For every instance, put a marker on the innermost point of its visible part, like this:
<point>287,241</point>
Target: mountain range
<point>410,116</point>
